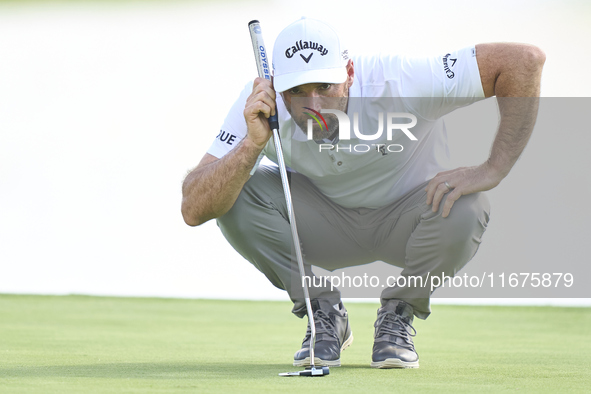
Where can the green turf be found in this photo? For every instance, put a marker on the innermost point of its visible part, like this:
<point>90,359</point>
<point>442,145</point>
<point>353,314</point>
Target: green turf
<point>83,344</point>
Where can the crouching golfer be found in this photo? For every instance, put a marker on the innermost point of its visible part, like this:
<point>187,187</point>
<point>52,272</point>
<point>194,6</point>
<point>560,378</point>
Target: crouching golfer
<point>359,195</point>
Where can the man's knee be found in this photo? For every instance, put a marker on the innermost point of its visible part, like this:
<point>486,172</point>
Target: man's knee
<point>447,244</point>
<point>465,224</point>
<point>467,221</point>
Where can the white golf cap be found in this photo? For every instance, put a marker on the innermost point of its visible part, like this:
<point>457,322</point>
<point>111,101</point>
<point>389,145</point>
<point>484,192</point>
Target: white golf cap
<point>308,51</point>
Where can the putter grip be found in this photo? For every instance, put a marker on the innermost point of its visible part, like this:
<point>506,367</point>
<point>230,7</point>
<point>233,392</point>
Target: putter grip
<point>262,61</point>
<point>274,122</point>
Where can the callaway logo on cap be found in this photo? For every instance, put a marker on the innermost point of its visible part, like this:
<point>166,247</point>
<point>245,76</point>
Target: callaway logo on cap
<point>308,51</point>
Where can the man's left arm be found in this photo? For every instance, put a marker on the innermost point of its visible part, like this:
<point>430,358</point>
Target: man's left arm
<point>512,72</point>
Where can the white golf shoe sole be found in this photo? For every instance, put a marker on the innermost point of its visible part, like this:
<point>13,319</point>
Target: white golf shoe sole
<point>394,363</point>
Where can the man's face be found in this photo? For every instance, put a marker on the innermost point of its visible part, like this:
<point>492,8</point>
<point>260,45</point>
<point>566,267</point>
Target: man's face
<point>316,96</point>
<point>300,99</point>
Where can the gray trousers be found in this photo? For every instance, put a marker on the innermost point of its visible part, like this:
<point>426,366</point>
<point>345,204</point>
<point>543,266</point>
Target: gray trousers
<point>405,233</point>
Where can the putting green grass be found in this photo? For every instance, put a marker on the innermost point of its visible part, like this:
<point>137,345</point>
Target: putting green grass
<point>78,344</point>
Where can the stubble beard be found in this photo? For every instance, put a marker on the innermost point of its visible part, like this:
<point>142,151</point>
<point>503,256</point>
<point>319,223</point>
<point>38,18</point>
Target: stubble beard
<point>319,133</point>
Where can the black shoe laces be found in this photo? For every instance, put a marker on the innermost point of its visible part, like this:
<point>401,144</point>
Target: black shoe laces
<point>324,325</point>
<point>390,323</point>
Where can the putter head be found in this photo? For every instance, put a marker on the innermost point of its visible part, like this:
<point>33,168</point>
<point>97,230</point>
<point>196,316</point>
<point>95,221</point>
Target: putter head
<point>321,371</point>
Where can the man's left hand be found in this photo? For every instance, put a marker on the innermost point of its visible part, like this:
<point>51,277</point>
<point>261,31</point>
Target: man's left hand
<point>459,182</point>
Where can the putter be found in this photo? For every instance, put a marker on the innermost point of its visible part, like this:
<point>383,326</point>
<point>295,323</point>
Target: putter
<point>262,61</point>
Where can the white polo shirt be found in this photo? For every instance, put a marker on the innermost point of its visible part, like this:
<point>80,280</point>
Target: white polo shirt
<point>355,173</point>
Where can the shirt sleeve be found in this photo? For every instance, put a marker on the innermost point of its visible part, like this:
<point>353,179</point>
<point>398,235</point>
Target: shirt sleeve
<point>441,84</point>
<point>233,129</point>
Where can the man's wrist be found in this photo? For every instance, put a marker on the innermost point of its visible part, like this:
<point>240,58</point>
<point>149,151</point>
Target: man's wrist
<point>251,145</point>
<point>495,170</point>
<point>248,153</point>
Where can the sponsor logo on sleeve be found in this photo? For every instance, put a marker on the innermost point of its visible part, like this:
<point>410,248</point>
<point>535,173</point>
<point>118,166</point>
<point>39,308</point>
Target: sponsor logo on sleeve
<point>226,137</point>
<point>448,64</point>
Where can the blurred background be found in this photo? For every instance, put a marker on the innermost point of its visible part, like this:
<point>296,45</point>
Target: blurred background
<point>106,105</point>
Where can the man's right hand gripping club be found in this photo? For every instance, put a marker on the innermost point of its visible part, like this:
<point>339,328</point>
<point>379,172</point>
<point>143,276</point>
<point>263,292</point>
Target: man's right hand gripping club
<point>260,105</point>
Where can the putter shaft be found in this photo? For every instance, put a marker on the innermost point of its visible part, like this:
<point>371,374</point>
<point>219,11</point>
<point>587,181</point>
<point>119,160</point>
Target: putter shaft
<point>261,58</point>
<point>296,240</point>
